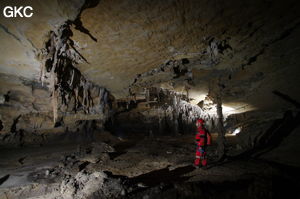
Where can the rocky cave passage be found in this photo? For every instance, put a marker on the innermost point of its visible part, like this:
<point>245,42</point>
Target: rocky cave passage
<point>99,99</point>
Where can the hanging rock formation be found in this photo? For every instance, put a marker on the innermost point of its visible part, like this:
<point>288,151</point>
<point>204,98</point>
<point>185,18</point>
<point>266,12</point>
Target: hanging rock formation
<point>78,65</point>
<point>61,101</point>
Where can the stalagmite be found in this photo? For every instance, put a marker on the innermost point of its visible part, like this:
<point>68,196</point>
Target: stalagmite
<point>220,127</point>
<point>215,93</point>
<point>112,99</point>
<point>54,97</point>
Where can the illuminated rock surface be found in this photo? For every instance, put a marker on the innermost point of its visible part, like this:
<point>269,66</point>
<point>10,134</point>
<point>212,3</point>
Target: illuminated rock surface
<point>131,77</point>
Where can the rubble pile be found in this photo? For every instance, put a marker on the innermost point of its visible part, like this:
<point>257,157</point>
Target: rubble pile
<point>90,186</point>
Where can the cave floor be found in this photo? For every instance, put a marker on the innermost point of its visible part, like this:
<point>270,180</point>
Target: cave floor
<point>147,163</point>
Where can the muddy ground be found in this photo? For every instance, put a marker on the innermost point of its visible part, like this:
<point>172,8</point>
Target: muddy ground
<point>139,167</point>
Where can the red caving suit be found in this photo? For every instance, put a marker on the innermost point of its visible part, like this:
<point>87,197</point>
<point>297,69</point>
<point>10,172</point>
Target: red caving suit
<point>203,138</point>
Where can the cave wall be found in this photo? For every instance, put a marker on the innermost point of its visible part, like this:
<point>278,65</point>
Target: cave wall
<point>23,97</point>
<point>158,112</point>
<point>62,103</point>
<point>22,38</point>
<point>44,97</point>
<point>252,43</point>
<point>246,49</point>
<point>252,125</point>
<point>271,136</point>
<point>26,114</point>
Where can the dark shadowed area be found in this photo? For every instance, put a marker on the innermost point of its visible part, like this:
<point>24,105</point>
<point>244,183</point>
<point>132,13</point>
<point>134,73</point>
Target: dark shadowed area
<point>100,98</point>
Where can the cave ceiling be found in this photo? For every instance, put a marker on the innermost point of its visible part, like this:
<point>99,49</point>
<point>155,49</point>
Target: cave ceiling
<point>249,47</point>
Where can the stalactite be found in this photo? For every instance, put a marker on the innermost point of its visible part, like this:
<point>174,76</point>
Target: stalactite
<point>66,81</point>
<point>147,94</point>
<point>174,110</point>
<point>54,97</point>
<point>175,114</point>
<point>72,78</point>
<point>160,127</point>
<point>101,93</point>
<point>42,75</point>
<point>187,93</point>
<point>54,105</point>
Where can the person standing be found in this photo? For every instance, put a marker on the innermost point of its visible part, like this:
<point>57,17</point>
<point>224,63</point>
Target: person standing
<point>203,139</point>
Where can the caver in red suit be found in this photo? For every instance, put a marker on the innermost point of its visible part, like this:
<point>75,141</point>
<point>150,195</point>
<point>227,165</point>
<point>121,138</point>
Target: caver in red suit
<point>203,139</point>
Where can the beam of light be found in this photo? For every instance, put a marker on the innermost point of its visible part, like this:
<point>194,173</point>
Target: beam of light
<point>237,131</point>
<point>227,109</point>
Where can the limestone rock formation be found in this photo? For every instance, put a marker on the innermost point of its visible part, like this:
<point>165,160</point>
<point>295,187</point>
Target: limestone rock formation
<point>131,73</point>
<point>92,185</point>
